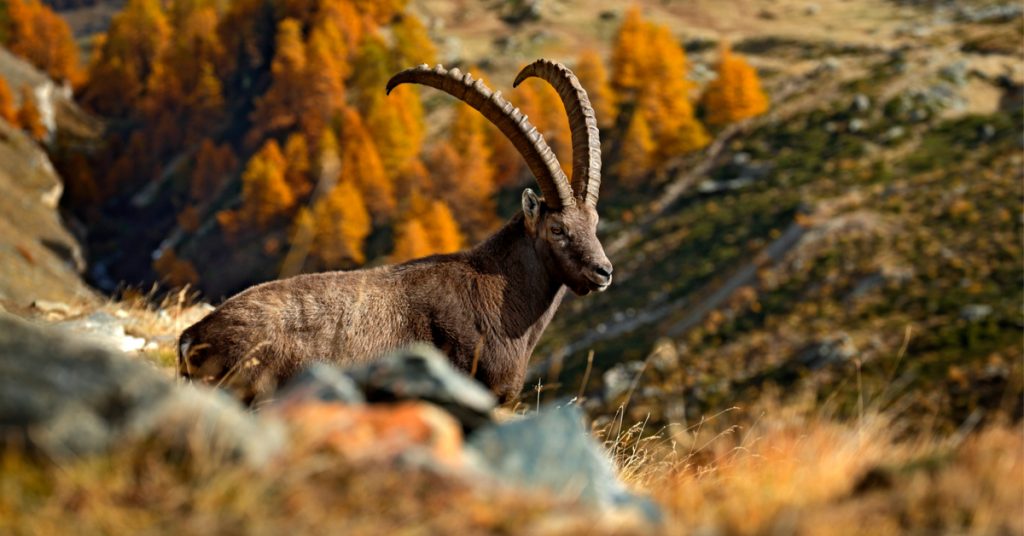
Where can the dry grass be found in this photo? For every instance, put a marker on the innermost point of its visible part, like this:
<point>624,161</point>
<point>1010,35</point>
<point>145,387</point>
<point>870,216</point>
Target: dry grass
<point>791,470</point>
<point>787,470</point>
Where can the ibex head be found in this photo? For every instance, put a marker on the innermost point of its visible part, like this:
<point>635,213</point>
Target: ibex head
<point>563,222</point>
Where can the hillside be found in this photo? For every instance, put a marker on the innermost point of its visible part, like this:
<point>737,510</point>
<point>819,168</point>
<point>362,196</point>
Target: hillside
<point>40,259</point>
<point>814,325</point>
<point>836,235</point>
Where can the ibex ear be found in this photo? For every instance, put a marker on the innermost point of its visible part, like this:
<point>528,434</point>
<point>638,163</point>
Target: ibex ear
<point>531,209</point>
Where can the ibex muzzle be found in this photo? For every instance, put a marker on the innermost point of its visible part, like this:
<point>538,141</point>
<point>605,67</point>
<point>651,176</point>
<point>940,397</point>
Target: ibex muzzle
<point>485,307</point>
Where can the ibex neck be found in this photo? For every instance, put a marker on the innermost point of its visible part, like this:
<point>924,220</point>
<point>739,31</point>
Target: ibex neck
<point>511,252</point>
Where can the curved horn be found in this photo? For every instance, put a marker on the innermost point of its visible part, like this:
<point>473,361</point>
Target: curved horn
<point>516,127</point>
<point>586,138</point>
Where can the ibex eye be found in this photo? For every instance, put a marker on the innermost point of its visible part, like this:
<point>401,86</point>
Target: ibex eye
<point>556,230</point>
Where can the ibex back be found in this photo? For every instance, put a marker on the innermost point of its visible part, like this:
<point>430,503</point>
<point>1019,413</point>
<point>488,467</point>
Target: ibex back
<point>485,307</point>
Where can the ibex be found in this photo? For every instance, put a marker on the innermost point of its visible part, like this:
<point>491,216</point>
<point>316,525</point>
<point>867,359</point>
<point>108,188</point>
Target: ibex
<point>485,307</point>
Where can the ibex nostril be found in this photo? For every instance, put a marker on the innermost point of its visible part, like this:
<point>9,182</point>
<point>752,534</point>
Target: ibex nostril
<point>603,271</point>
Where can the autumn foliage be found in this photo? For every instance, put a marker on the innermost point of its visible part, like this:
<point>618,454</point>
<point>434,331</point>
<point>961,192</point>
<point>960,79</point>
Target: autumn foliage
<point>649,69</point>
<point>29,117</point>
<point>271,115</point>
<point>735,94</point>
<point>32,30</point>
<point>7,110</point>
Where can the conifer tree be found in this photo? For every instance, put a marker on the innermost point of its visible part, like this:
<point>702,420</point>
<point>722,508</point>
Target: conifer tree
<point>412,42</point>
<point>324,79</point>
<point>7,110</point>
<point>361,163</point>
<point>343,15</point>
<point>265,192</point>
<point>327,162</point>
<point>173,270</point>
<point>441,228</point>
<point>413,179</point>
<point>637,150</point>
<point>28,116</point>
<point>213,165</point>
<point>629,53</point>
<point>371,69</point>
<point>297,172</point>
<point>395,123</point>
<point>667,106</point>
<point>555,124</point>
<point>42,37</point>
<point>471,187</point>
<point>137,37</point>
<point>735,94</point>
<point>341,224</point>
<point>279,108</point>
<point>380,11</point>
<point>411,241</point>
<point>593,76</point>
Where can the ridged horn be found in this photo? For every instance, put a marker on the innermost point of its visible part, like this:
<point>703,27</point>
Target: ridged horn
<point>586,138</point>
<point>514,124</point>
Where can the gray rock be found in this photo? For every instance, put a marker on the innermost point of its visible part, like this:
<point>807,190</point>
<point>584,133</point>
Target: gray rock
<point>894,133</point>
<point>551,450</point>
<point>62,395</point>
<point>833,349</point>
<point>619,378</point>
<point>322,383</point>
<point>955,73</point>
<point>857,125</point>
<point>975,312</point>
<point>990,13</point>
<point>861,103</point>
<point>421,372</point>
<point>104,328</point>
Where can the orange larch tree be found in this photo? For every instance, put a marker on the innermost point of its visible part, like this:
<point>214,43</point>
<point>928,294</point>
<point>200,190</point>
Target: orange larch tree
<point>593,76</point>
<point>125,56</point>
<point>173,270</point>
<point>735,94</point>
<point>637,150</point>
<point>28,115</point>
<point>412,42</point>
<point>362,165</point>
<point>411,241</point>
<point>341,224</point>
<point>396,124</point>
<point>42,37</point>
<point>471,186</point>
<point>7,110</point>
<point>326,68</point>
<point>265,192</point>
<point>442,229</point>
<point>212,167</point>
<point>279,108</point>
<point>371,69</point>
<point>629,53</point>
<point>665,100</point>
<point>297,172</point>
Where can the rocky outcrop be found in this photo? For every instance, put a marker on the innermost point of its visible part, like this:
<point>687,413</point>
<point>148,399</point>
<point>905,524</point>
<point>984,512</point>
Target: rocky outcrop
<point>39,257</point>
<point>63,396</point>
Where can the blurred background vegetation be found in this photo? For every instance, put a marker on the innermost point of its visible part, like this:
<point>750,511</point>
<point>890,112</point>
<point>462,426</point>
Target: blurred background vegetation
<point>804,201</point>
<point>794,196</point>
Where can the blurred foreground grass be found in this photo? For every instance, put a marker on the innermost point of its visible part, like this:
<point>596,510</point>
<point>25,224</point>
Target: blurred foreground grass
<point>770,469</point>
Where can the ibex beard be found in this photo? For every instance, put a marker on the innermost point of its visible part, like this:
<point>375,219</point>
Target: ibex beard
<point>485,307</point>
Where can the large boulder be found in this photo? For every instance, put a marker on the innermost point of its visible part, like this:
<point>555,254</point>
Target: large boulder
<point>62,396</point>
<point>421,372</point>
<point>552,451</point>
<point>413,432</point>
<point>39,257</point>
